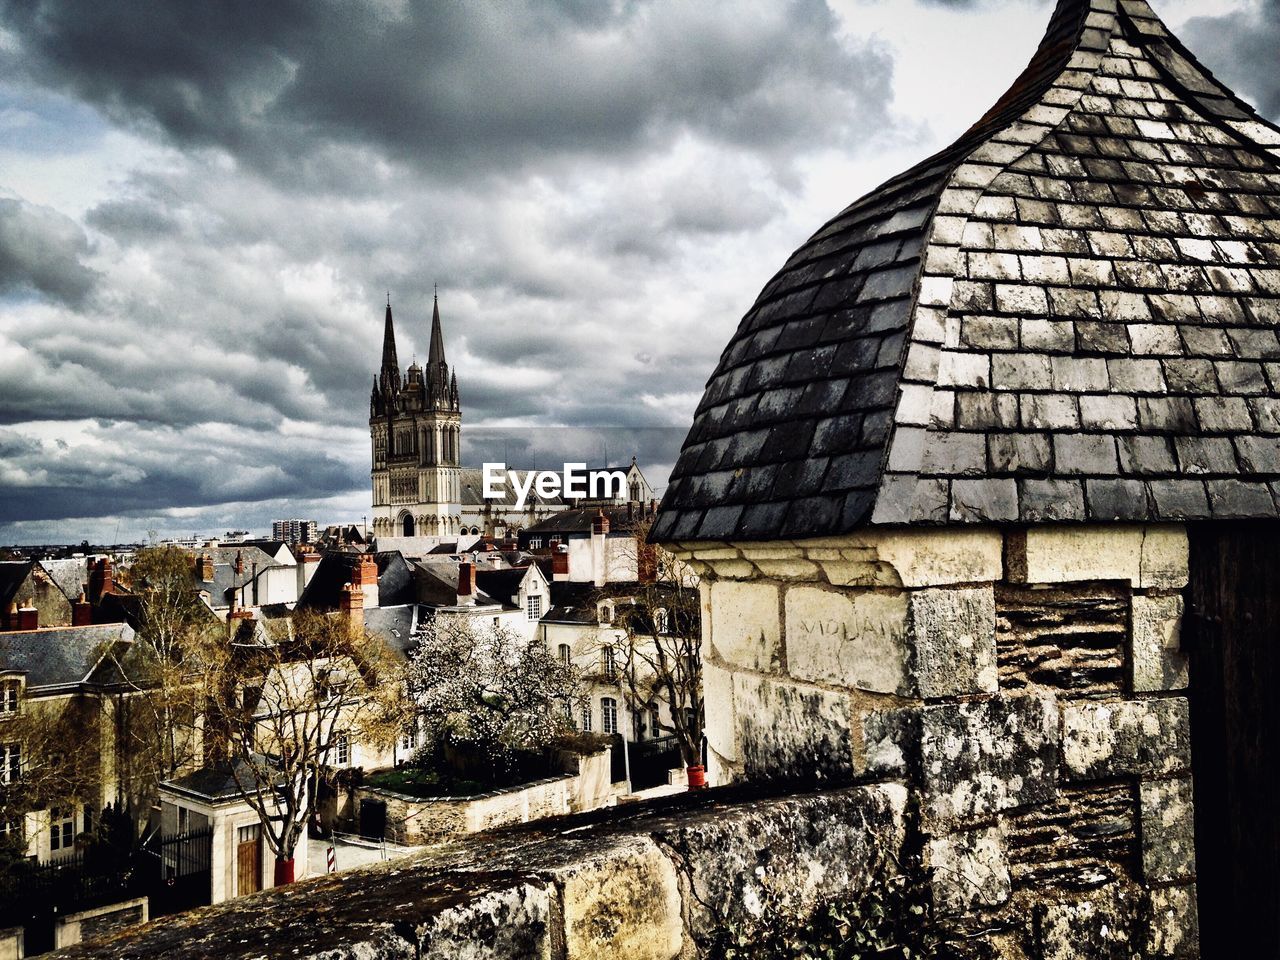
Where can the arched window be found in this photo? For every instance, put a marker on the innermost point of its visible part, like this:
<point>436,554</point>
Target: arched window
<point>565,654</point>
<point>608,715</point>
<point>606,613</point>
<point>408,525</point>
<point>660,621</point>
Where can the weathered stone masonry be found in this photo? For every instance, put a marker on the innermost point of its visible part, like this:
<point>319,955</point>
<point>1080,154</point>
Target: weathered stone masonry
<point>1025,684</point>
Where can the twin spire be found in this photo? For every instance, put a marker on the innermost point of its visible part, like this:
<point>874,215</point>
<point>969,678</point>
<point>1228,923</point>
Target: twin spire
<point>440,385</point>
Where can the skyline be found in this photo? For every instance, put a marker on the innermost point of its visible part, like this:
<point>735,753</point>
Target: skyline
<point>199,219</point>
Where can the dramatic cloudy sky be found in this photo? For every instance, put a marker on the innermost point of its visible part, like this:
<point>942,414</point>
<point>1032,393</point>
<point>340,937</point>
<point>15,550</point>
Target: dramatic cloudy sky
<point>202,206</point>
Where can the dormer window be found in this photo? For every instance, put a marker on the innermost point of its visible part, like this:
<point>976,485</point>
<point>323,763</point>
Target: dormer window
<point>10,692</point>
<point>606,613</point>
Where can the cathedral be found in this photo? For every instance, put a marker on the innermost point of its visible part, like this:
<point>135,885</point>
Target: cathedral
<point>416,428</point>
<point>420,488</point>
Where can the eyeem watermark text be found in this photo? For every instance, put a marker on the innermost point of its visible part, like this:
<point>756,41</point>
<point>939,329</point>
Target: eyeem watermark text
<point>574,482</point>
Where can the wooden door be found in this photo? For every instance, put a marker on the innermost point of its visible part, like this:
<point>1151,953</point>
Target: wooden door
<point>248,860</point>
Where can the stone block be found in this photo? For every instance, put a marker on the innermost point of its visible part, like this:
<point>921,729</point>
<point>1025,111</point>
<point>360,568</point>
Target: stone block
<point>953,641</point>
<point>1158,661</point>
<point>510,923</point>
<point>791,731</point>
<point>968,871</point>
<point>624,901</point>
<point>1150,738</point>
<point>853,639</point>
<point>1097,927</point>
<point>934,558</point>
<point>745,625</point>
<point>1153,556</point>
<point>979,758</point>
<point>799,851</point>
<point>1174,928</point>
<point>1168,831</point>
<point>720,726</point>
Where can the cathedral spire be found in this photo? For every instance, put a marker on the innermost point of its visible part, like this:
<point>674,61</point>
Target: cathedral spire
<point>436,355</point>
<point>390,375</point>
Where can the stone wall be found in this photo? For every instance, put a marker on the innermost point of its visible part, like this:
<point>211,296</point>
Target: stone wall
<point>647,883</point>
<point>417,820</point>
<point>1026,684</point>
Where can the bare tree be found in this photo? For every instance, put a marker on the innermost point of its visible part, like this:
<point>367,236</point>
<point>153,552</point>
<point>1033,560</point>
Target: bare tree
<point>280,703</point>
<point>658,652</point>
<point>162,667</point>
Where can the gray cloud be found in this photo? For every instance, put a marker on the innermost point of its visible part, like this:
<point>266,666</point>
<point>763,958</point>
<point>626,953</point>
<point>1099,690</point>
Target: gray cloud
<point>41,251</point>
<point>494,85</point>
<point>1241,48</point>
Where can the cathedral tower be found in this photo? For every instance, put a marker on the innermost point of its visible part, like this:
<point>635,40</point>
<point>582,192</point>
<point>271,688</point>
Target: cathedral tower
<point>415,425</point>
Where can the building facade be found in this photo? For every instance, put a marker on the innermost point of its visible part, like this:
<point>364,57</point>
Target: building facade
<point>415,427</point>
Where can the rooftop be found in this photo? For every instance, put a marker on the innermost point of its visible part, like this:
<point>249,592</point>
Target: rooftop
<point>1068,315</point>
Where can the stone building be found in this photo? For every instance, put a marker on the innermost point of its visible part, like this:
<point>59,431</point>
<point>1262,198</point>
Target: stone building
<point>952,476</point>
<point>416,428</point>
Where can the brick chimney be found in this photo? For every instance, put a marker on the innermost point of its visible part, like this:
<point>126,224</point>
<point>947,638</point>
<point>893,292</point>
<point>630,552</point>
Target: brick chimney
<point>599,524</point>
<point>29,616</point>
<point>239,564</point>
<point>81,612</point>
<point>352,601</point>
<point>204,568</point>
<point>466,581</point>
<point>365,576</point>
<point>560,562</point>
<point>101,579</point>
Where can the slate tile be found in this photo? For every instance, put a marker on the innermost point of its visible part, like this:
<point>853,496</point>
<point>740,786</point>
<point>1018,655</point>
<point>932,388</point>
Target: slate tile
<point>1179,499</point>
<point>1050,500</point>
<point>1235,498</point>
<point>1109,500</point>
<point>1085,453</point>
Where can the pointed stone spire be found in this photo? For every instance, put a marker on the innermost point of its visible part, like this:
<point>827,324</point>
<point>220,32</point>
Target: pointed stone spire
<point>436,354</point>
<point>390,376</point>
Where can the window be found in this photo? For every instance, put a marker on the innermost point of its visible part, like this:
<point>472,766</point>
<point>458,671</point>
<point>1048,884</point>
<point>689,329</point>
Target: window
<point>606,613</point>
<point>660,621</point>
<point>184,819</point>
<point>11,831</point>
<point>610,663</point>
<point>10,763</point>
<point>565,654</point>
<point>62,828</point>
<point>9,690</point>
<point>586,718</point>
<point>248,834</point>
<point>342,750</point>
<point>655,723</point>
<point>409,740</point>
<point>608,715</point>
<point>534,606</point>
<point>535,543</point>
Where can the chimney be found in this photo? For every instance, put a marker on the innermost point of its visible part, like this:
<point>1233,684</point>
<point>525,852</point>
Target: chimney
<point>81,612</point>
<point>352,602</point>
<point>29,616</point>
<point>204,568</point>
<point>600,524</point>
<point>646,562</point>
<point>631,509</point>
<point>560,562</point>
<point>365,576</point>
<point>101,580</point>
<point>239,564</point>
<point>308,563</point>
<point>466,581</point>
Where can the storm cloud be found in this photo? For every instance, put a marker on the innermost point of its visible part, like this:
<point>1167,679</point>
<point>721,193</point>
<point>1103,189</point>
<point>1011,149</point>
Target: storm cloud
<point>203,207</point>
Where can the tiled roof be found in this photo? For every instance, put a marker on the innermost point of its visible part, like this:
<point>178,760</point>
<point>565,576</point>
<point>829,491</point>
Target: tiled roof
<point>579,520</point>
<point>1070,314</point>
<point>471,484</point>
<point>58,656</point>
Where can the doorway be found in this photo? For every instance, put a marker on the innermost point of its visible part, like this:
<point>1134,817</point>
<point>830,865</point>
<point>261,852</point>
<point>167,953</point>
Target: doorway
<point>408,525</point>
<point>1232,636</point>
<point>248,859</point>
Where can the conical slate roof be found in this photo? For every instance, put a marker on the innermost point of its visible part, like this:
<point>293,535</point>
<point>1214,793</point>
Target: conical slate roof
<point>1070,314</point>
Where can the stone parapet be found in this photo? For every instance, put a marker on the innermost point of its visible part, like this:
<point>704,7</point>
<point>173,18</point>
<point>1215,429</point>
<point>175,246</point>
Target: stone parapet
<point>1025,683</point>
<point>650,884</point>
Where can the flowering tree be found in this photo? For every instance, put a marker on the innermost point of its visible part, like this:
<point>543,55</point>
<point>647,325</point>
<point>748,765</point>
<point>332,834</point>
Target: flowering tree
<point>488,687</point>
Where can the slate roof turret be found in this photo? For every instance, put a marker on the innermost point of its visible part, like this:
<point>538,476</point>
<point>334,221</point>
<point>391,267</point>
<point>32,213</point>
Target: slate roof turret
<point>1070,314</point>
